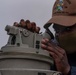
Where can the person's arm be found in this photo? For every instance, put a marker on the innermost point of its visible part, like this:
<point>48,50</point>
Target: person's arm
<point>59,56</point>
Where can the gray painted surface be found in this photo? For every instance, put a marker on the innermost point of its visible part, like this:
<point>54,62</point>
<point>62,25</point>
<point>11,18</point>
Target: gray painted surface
<point>22,55</point>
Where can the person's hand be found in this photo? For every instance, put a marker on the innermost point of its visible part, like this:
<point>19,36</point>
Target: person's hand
<point>58,54</point>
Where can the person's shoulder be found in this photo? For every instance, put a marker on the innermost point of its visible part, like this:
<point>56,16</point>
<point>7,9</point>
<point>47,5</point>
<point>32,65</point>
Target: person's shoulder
<point>73,70</point>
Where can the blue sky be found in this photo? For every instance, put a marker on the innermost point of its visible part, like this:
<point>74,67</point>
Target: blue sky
<point>38,11</point>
